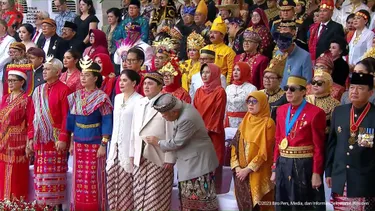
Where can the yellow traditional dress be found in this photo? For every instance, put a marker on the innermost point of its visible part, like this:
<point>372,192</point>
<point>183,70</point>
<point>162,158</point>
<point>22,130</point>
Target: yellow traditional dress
<point>188,70</point>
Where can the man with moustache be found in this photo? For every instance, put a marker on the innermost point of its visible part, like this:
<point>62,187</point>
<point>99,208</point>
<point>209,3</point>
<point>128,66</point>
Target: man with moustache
<point>50,42</point>
<point>350,158</point>
<point>69,34</point>
<point>298,61</point>
<point>299,151</point>
<point>224,58</point>
<point>153,169</point>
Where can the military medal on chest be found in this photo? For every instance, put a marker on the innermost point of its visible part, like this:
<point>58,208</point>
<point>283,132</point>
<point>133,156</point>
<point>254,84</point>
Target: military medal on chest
<point>354,125</point>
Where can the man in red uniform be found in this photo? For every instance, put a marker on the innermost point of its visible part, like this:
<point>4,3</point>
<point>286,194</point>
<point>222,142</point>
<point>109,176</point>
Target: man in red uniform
<point>48,136</point>
<point>299,151</point>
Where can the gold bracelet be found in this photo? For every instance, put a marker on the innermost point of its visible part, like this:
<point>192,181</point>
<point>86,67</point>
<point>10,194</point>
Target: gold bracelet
<point>105,140</point>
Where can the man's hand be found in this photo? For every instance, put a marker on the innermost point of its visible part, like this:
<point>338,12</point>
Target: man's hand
<point>152,140</point>
<point>101,151</point>
<point>329,182</point>
<point>273,177</point>
<point>316,181</point>
<point>60,146</point>
<point>168,166</point>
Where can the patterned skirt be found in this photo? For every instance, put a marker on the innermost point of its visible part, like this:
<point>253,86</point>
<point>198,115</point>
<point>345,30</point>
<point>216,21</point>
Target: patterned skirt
<point>119,188</point>
<point>152,187</point>
<point>89,178</point>
<point>198,193</point>
<point>50,176</point>
<point>343,203</point>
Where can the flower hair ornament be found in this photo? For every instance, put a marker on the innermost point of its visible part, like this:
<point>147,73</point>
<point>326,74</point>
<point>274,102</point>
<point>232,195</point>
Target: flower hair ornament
<point>49,59</point>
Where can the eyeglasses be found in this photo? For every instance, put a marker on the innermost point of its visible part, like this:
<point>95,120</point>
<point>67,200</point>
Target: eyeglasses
<point>66,29</point>
<point>167,76</point>
<point>131,61</point>
<point>12,80</point>
<point>92,36</point>
<point>270,78</point>
<point>318,83</point>
<point>252,101</point>
<point>291,88</point>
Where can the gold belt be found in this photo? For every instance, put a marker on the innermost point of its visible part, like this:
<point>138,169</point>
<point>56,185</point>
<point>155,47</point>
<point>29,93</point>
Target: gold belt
<point>87,126</point>
<point>298,152</point>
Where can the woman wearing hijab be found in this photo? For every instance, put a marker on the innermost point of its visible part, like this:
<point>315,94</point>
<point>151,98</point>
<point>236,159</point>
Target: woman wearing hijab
<point>107,71</point>
<point>172,81</point>
<point>210,101</point>
<point>237,93</point>
<point>99,44</point>
<point>251,157</point>
<point>259,23</point>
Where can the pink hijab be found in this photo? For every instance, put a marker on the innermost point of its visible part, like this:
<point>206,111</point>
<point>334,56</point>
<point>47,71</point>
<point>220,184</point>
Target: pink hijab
<point>214,80</point>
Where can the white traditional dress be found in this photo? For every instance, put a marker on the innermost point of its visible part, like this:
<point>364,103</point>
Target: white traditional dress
<point>236,103</point>
<point>347,8</point>
<point>119,168</point>
<point>359,45</point>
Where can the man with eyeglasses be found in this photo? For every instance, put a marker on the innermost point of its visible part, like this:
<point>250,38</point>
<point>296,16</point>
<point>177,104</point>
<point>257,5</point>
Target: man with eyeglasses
<point>206,57</point>
<point>64,15</point>
<point>69,34</point>
<point>133,16</point>
<point>271,82</point>
<point>39,17</point>
<point>50,42</point>
<point>350,158</point>
<point>5,58</point>
<point>299,151</point>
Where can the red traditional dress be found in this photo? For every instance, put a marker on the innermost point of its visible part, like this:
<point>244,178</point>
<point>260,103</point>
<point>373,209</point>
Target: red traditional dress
<point>14,166</point>
<point>210,101</point>
<point>73,82</point>
<point>175,88</point>
<point>50,105</point>
<point>258,63</point>
<point>262,28</point>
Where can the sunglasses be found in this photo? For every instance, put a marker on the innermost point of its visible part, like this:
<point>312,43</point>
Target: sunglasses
<point>318,83</point>
<point>252,101</point>
<point>291,88</point>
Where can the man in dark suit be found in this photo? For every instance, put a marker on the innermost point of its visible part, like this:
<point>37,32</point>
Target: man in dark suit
<point>37,57</point>
<point>50,42</point>
<point>350,155</point>
<point>69,34</point>
<point>322,33</point>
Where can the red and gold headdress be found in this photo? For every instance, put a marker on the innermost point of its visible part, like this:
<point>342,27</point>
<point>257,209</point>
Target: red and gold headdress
<point>164,46</point>
<point>171,67</point>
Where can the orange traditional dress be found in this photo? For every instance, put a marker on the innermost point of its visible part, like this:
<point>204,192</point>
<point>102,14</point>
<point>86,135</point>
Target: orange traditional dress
<point>14,166</point>
<point>252,147</point>
<point>171,69</point>
<point>210,101</point>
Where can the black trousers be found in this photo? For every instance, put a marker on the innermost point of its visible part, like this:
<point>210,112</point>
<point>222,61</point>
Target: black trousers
<point>293,186</point>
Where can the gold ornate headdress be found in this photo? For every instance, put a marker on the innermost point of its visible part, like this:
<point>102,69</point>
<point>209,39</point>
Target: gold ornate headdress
<point>171,67</point>
<point>277,64</point>
<point>195,41</point>
<point>369,53</point>
<point>163,46</point>
<point>86,63</point>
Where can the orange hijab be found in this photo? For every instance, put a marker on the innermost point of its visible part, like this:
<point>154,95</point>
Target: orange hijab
<point>214,80</point>
<point>257,130</point>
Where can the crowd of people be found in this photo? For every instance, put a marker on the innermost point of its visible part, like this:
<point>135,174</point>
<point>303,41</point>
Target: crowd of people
<point>280,91</point>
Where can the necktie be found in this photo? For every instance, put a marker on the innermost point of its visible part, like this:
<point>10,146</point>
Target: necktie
<point>35,36</point>
<point>322,30</point>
